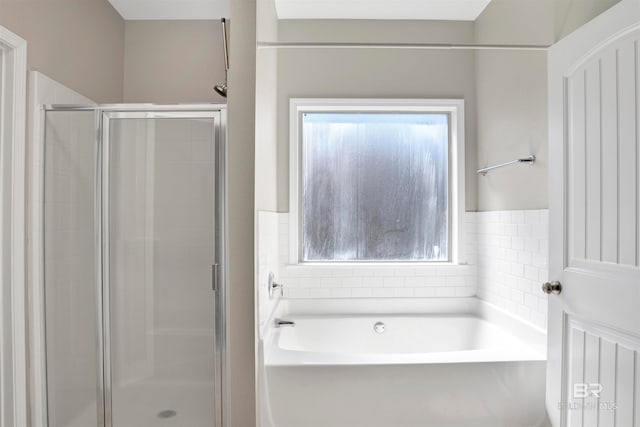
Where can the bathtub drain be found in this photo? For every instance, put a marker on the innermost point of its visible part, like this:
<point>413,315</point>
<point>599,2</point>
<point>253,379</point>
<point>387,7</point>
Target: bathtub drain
<point>378,327</point>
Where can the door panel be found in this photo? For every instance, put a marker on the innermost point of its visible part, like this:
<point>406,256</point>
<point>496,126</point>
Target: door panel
<point>628,154</point>
<point>602,158</point>
<point>604,360</point>
<point>594,325</point>
<point>161,235</point>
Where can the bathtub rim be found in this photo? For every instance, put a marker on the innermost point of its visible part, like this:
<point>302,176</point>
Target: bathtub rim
<point>534,337</point>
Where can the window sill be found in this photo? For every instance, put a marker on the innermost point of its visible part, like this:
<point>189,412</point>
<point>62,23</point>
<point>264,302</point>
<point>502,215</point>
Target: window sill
<point>370,264</point>
<point>378,269</point>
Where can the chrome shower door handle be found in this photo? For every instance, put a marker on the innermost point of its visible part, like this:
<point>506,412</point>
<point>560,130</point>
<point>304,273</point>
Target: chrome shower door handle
<point>552,288</point>
<point>214,277</point>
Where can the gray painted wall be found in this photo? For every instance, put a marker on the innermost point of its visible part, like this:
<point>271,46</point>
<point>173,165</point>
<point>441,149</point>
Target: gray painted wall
<point>512,103</point>
<point>512,95</point>
<point>535,21</point>
<point>173,61</point>
<point>79,43</point>
<point>505,91</point>
<point>87,46</point>
<point>572,14</point>
<point>266,110</point>
<point>512,123</point>
<point>375,73</point>
<point>241,159</point>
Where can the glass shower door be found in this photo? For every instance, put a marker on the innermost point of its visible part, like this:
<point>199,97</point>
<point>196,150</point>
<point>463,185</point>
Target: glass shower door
<point>160,234</point>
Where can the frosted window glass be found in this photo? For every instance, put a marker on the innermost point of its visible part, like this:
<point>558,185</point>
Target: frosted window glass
<point>375,187</point>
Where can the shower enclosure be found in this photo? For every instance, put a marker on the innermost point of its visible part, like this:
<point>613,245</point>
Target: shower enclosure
<point>133,265</point>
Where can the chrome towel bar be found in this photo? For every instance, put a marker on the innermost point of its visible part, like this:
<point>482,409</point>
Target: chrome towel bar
<point>530,160</point>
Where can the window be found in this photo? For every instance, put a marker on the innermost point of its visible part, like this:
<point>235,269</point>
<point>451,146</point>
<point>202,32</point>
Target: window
<point>375,180</point>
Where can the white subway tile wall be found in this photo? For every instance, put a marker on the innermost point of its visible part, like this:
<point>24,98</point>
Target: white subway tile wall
<point>267,232</point>
<point>512,261</point>
<point>506,254</point>
<point>383,281</point>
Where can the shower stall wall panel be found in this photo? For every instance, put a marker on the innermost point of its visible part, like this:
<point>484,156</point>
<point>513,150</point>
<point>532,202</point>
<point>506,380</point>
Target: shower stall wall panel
<point>70,269</point>
<point>131,260</point>
<point>161,233</point>
<point>184,251</point>
<point>43,90</point>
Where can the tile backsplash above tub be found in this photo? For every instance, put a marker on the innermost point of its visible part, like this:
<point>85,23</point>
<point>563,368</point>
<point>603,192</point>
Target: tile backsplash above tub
<point>506,253</point>
<point>513,261</point>
<point>267,240</point>
<point>352,280</point>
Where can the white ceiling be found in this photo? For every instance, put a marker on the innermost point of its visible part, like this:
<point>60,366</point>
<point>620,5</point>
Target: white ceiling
<point>446,10</point>
<point>172,9</point>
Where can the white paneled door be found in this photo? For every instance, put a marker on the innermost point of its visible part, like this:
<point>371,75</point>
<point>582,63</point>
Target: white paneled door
<point>593,376</point>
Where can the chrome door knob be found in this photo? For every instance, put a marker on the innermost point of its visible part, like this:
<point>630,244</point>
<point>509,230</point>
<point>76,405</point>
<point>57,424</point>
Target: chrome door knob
<point>552,288</point>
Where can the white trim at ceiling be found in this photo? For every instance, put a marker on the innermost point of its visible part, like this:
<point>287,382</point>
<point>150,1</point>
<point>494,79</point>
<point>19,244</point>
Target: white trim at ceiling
<point>441,10</point>
<point>172,9</point>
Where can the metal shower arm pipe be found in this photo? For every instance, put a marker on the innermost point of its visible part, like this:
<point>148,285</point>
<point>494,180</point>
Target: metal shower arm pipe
<point>221,89</point>
<point>225,44</point>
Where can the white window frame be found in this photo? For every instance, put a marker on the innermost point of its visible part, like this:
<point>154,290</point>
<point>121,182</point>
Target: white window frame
<point>453,107</point>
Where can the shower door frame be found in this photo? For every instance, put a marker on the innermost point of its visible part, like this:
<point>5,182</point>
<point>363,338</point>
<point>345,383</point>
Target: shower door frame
<point>103,115</point>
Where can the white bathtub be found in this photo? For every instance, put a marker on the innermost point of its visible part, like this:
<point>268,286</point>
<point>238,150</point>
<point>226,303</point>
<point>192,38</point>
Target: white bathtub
<point>439,363</point>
